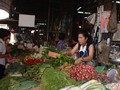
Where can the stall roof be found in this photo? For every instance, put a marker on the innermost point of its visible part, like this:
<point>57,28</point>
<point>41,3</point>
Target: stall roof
<point>40,7</point>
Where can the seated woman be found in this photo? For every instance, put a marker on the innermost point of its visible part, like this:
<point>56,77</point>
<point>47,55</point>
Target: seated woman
<point>84,47</point>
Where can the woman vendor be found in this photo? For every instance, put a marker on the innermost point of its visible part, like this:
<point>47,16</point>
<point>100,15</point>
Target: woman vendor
<point>84,47</point>
<point>4,36</point>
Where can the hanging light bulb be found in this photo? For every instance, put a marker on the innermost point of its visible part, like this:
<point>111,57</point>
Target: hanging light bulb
<point>3,14</point>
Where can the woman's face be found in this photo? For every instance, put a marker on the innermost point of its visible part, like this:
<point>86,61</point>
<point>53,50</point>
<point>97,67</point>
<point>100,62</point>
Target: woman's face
<point>81,39</point>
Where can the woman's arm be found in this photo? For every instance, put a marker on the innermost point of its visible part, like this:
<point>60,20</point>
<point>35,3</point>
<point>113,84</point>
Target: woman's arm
<point>75,48</point>
<point>88,58</point>
<point>91,53</point>
<point>3,55</point>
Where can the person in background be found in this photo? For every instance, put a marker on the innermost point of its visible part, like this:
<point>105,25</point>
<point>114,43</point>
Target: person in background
<point>4,36</point>
<point>84,47</point>
<point>72,43</point>
<point>35,46</point>
<point>61,43</point>
<point>9,48</point>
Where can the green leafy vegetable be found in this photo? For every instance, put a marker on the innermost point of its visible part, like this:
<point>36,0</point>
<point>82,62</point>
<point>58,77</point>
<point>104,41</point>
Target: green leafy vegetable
<point>35,71</point>
<point>54,80</point>
<point>60,61</point>
<point>15,67</point>
<point>25,85</point>
<point>4,83</point>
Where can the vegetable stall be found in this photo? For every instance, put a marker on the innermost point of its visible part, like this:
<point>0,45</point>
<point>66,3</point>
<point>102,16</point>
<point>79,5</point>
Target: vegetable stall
<point>50,69</point>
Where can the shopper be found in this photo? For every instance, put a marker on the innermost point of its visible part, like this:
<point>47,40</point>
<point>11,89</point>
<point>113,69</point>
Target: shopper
<point>9,48</point>
<point>61,43</point>
<point>84,47</point>
<point>4,36</point>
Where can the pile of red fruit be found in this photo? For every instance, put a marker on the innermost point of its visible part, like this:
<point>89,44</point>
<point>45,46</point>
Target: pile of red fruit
<point>83,72</point>
<point>33,61</point>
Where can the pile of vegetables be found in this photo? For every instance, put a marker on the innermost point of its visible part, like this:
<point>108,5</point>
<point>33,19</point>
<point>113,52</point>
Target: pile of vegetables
<point>35,71</point>
<point>15,68</point>
<point>54,80</point>
<point>36,55</point>
<point>59,61</point>
<point>31,61</point>
<point>113,86</point>
<point>66,67</point>
<point>4,83</point>
<point>12,60</point>
<point>82,72</point>
<point>17,83</point>
<point>49,78</point>
<point>90,85</point>
<point>45,51</point>
<point>22,84</point>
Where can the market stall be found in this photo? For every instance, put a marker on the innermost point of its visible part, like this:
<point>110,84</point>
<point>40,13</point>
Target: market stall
<point>50,69</point>
<point>36,63</point>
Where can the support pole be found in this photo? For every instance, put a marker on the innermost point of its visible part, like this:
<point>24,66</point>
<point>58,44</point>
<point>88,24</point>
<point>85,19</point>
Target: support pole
<point>48,21</point>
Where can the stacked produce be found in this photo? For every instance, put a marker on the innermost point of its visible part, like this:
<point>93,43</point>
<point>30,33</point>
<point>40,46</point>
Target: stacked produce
<point>113,86</point>
<point>90,85</point>
<point>56,57</point>
<point>35,71</point>
<point>22,85</point>
<point>36,55</point>
<point>4,83</point>
<point>17,83</point>
<point>34,58</point>
<point>66,67</point>
<point>54,80</point>
<point>12,60</point>
<point>59,61</point>
<point>17,68</point>
<point>82,72</point>
<point>46,51</point>
<point>31,61</point>
<point>102,77</point>
<point>56,73</point>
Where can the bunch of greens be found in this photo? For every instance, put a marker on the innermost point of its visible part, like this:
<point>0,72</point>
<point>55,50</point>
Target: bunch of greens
<point>17,83</point>
<point>4,83</point>
<point>15,67</point>
<point>22,83</point>
<point>35,71</point>
<point>54,80</point>
<point>61,60</point>
<point>49,48</point>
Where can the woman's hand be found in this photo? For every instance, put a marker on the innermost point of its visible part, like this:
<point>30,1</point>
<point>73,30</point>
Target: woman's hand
<point>78,60</point>
<point>69,54</point>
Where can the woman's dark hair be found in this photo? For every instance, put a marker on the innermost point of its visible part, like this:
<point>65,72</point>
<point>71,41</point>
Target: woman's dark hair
<point>4,33</point>
<point>86,34</point>
<point>61,36</point>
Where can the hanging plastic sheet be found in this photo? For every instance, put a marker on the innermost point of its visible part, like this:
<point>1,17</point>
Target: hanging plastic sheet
<point>98,23</point>
<point>112,25</point>
<point>105,15</point>
<point>91,18</point>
